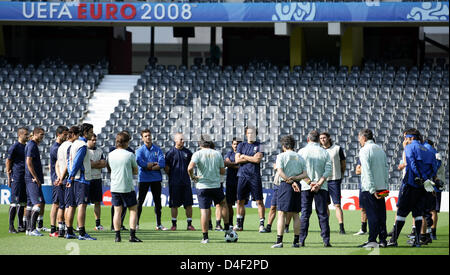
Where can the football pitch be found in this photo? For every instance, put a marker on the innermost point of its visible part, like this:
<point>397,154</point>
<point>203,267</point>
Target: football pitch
<point>183,242</point>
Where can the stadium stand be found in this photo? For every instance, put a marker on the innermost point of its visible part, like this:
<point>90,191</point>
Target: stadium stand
<point>48,95</point>
<point>339,100</point>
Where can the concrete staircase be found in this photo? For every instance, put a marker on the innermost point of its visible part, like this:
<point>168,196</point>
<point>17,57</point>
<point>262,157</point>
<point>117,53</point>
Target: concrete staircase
<point>106,97</point>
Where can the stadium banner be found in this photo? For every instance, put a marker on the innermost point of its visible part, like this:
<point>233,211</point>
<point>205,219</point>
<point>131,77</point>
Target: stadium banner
<point>349,198</point>
<point>368,11</point>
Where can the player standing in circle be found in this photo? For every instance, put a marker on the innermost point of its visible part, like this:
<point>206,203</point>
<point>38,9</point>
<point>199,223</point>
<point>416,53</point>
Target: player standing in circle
<point>34,178</point>
<point>98,162</point>
<point>210,166</point>
<point>334,181</point>
<point>180,190</point>
<point>15,171</point>
<point>122,165</point>
<point>318,168</point>
<point>291,168</point>
<point>249,157</point>
<point>80,176</point>
<point>421,165</point>
<point>374,180</point>
<point>232,178</point>
<point>150,160</point>
<point>66,228</point>
<point>124,211</point>
<point>57,211</point>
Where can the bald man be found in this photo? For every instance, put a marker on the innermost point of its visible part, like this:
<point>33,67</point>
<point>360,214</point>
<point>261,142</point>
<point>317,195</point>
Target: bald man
<point>180,190</point>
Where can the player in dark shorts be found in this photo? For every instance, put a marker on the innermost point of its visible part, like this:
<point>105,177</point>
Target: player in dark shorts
<point>66,227</point>
<point>232,178</point>
<point>421,165</point>
<point>122,165</point>
<point>80,176</point>
<point>57,211</point>
<point>124,211</point>
<point>249,157</point>
<point>34,178</point>
<point>180,190</point>
<point>334,181</point>
<point>98,162</point>
<point>274,204</point>
<point>210,166</point>
<point>291,168</point>
<point>15,171</point>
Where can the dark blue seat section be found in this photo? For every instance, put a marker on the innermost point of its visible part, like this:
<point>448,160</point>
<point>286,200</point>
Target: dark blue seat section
<point>339,100</point>
<point>47,95</point>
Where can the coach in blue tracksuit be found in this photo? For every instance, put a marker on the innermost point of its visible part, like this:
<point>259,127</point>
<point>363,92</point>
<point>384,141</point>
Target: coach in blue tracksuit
<point>421,165</point>
<point>150,160</point>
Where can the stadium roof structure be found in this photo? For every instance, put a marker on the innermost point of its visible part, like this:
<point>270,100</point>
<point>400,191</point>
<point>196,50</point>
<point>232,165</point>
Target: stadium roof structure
<point>251,14</point>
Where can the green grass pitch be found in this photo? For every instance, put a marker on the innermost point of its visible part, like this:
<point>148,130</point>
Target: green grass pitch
<point>182,242</point>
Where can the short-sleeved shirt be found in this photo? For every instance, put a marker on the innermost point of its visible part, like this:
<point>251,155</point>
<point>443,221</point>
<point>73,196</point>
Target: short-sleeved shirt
<point>122,163</point>
<point>291,162</point>
<point>208,163</point>
<point>178,162</point>
<point>232,173</point>
<point>16,154</point>
<point>32,150</point>
<point>53,159</point>
<point>249,170</point>
<point>129,149</point>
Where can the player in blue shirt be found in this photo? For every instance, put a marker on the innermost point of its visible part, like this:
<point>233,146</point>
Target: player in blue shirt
<point>34,178</point>
<point>232,178</point>
<point>180,190</point>
<point>15,171</point>
<point>79,169</point>
<point>150,160</point>
<point>66,228</point>
<point>57,211</point>
<point>421,165</point>
<point>249,157</point>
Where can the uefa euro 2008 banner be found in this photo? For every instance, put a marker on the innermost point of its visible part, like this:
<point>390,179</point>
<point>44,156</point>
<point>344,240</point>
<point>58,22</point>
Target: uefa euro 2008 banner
<point>368,11</point>
<point>349,198</point>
